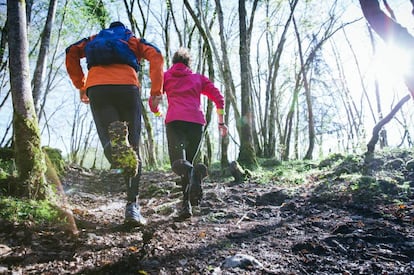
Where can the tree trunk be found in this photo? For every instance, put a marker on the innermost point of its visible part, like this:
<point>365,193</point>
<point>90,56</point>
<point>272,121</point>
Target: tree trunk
<point>255,139</point>
<point>384,26</point>
<point>271,119</point>
<point>382,122</point>
<point>30,160</point>
<point>152,159</point>
<point>247,155</point>
<point>306,86</point>
<point>389,31</point>
<point>42,56</point>
<point>287,133</point>
<point>383,132</point>
<point>229,88</point>
<point>3,42</point>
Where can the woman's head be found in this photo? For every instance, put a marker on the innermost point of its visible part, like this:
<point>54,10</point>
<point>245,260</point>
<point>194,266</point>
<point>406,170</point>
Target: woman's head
<point>182,55</point>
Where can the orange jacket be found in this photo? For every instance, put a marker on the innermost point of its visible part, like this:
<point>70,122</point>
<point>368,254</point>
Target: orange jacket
<point>115,73</point>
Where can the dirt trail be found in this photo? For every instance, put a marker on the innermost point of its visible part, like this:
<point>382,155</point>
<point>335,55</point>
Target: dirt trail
<point>272,228</point>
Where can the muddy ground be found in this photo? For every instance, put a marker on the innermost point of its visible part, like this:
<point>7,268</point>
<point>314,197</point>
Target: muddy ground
<point>332,222</point>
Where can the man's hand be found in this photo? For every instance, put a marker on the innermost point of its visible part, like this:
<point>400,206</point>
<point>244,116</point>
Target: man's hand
<point>83,97</point>
<point>154,102</point>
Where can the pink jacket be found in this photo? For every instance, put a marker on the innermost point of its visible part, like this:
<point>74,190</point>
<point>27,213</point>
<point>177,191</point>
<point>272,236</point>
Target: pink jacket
<point>184,89</point>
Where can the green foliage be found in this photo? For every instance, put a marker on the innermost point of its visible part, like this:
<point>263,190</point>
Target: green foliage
<point>156,190</point>
<point>97,11</point>
<point>343,164</point>
<point>289,172</point>
<point>269,162</point>
<point>6,153</point>
<point>357,188</point>
<point>82,18</point>
<point>365,189</point>
<point>392,153</point>
<point>340,178</point>
<point>165,210</point>
<point>3,174</point>
<point>56,158</point>
<point>164,166</point>
<point>11,185</point>
<point>29,155</point>
<point>216,217</point>
<point>331,160</point>
<point>39,212</point>
<point>7,169</point>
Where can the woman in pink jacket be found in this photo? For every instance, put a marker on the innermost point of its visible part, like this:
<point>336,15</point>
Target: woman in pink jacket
<point>184,124</point>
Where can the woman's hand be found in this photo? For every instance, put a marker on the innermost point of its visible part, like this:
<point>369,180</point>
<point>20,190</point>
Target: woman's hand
<point>223,129</point>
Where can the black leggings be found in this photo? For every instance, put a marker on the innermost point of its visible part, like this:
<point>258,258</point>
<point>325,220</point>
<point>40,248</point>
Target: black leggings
<point>110,103</point>
<point>183,137</point>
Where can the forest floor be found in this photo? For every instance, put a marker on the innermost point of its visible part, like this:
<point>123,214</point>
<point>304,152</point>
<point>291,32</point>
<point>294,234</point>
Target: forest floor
<point>303,218</point>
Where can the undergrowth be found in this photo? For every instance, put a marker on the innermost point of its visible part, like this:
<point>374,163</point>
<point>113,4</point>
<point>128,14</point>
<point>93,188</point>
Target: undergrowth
<point>19,210</point>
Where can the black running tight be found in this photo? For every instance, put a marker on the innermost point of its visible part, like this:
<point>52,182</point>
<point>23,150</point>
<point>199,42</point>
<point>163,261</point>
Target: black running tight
<point>183,137</point>
<point>116,102</point>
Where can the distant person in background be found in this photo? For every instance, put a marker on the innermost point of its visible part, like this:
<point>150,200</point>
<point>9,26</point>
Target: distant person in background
<point>184,124</point>
<point>113,91</point>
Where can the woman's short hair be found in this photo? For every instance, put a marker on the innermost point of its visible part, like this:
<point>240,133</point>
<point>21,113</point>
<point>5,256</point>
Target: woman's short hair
<point>182,55</point>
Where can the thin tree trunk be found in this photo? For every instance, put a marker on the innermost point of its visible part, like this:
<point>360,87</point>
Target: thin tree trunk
<point>377,128</point>
<point>354,115</point>
<point>86,143</point>
<point>255,140</point>
<point>311,124</point>
<point>3,44</point>
<point>247,155</point>
<point>229,88</point>
<point>42,56</point>
<point>296,142</point>
<point>287,133</point>
<point>152,158</point>
<point>271,117</point>
<point>383,132</point>
<point>53,70</point>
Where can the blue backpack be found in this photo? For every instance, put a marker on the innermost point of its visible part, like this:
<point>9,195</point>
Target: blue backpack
<point>110,46</point>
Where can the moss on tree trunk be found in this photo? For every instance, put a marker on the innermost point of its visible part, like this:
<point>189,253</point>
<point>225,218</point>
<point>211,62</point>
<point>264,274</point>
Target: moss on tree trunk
<point>247,157</point>
<point>29,157</point>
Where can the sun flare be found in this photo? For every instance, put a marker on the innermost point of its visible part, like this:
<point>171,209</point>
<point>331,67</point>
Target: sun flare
<point>392,63</point>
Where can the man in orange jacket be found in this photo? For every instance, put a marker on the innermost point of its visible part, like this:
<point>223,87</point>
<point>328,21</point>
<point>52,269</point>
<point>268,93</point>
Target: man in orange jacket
<point>112,89</point>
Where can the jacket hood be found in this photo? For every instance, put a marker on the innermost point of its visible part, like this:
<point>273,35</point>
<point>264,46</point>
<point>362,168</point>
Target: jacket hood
<point>179,69</point>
